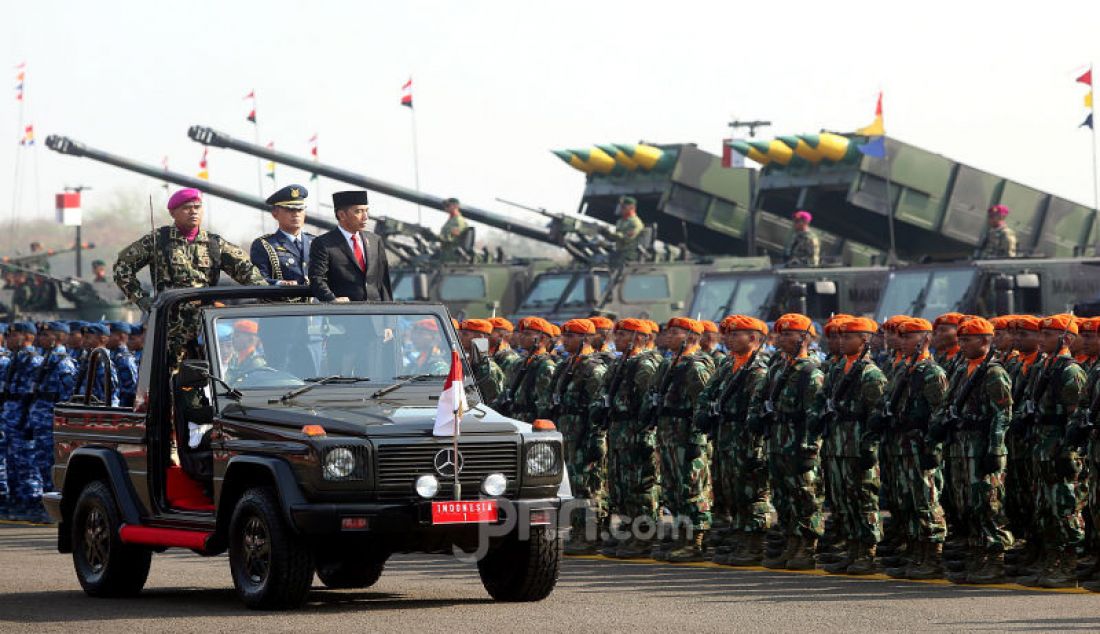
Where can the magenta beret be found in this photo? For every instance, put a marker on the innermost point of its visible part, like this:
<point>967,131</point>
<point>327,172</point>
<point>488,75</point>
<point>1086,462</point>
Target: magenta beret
<point>998,210</point>
<point>183,196</point>
<point>802,214</point>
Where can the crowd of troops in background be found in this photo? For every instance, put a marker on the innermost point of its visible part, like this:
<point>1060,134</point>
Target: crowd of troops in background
<point>976,436</point>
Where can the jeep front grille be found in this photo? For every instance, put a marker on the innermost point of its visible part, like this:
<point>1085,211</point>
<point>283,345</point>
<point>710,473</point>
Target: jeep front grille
<point>398,466</point>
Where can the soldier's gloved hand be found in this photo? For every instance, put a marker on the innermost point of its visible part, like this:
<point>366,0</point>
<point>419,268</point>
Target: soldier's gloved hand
<point>868,458</point>
<point>145,304</point>
<point>992,463</point>
<point>929,461</point>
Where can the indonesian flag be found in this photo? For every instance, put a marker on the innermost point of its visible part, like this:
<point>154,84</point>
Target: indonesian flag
<point>452,402</point>
<point>407,94</point>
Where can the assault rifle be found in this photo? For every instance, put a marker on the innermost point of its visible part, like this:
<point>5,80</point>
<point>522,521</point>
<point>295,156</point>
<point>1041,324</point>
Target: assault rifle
<point>714,412</point>
<point>830,416</point>
<point>1029,415</point>
<point>954,415</point>
<point>603,407</point>
<point>890,405</point>
<point>657,398</point>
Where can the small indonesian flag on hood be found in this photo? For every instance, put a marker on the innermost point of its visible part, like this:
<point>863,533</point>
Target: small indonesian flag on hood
<point>452,402</point>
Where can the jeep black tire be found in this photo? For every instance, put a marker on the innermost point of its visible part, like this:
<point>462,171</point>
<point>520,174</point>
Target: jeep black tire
<point>353,567</point>
<point>105,566</point>
<point>272,567</point>
<point>518,570</point>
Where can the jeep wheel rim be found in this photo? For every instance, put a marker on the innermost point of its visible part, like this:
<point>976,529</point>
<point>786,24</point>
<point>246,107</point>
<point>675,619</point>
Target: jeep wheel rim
<point>256,547</point>
<point>97,540</point>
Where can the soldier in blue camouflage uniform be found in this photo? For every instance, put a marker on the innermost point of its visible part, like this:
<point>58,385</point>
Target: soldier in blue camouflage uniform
<point>576,384</point>
<point>18,391</point>
<point>916,391</point>
<point>852,395</point>
<point>54,382</point>
<point>685,451</point>
<point>780,412</point>
<point>633,463</point>
<point>976,415</point>
<point>123,361</point>
<point>136,343</point>
<point>739,469</point>
<point>5,360</point>
<point>1059,523</point>
<point>96,336</point>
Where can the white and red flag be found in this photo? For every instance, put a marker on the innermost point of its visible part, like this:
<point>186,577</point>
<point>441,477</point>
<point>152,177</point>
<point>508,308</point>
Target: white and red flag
<point>452,402</point>
<point>407,93</point>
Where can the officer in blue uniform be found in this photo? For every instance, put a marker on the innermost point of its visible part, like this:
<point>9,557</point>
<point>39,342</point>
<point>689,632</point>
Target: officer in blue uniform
<point>96,336</point>
<point>124,363</point>
<point>282,257</point>
<point>19,379</point>
<point>54,382</point>
<point>137,343</point>
<point>5,360</point>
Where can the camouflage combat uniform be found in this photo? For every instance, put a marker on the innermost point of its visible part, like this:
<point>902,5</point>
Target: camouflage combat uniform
<point>576,383</point>
<point>18,394</point>
<point>187,265</point>
<point>450,233</point>
<point>977,479</point>
<point>1086,416</point>
<point>852,450</point>
<point>1020,472</point>
<point>627,233</point>
<point>999,242</point>
<point>802,249</point>
<point>54,383</point>
<point>489,377</point>
<point>739,468</point>
<point>126,367</point>
<point>527,382</point>
<point>506,357</point>
<point>794,463</point>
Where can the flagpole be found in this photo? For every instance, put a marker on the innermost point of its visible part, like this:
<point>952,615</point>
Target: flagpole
<point>259,161</point>
<point>458,460</point>
<point>892,257</point>
<point>416,170</point>
<point>1095,181</point>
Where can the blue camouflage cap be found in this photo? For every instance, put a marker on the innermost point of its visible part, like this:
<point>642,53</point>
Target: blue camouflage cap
<point>57,326</point>
<point>120,326</point>
<point>76,325</point>
<point>97,329</point>
<point>137,329</point>
<point>24,326</point>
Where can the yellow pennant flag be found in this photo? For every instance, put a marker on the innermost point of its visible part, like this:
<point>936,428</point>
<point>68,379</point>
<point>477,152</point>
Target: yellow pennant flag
<point>1088,100</point>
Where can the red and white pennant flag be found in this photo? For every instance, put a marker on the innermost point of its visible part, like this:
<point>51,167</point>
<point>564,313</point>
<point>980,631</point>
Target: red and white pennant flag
<point>407,93</point>
<point>452,402</point>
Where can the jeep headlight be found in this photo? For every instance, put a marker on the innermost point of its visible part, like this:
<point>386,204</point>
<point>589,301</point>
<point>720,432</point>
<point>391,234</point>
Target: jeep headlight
<point>339,463</point>
<point>542,460</point>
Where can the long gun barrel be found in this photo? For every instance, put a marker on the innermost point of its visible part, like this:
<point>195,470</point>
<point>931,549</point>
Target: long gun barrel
<point>48,253</point>
<point>212,137</point>
<point>65,145</point>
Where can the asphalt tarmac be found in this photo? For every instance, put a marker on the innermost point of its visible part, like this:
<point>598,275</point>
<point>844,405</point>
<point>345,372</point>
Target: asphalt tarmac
<point>188,593</point>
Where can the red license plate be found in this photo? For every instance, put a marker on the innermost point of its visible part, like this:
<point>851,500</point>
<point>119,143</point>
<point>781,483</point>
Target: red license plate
<point>469,512</point>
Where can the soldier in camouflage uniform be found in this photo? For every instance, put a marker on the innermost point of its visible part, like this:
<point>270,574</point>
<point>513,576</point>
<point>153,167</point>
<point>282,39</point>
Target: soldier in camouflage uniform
<point>945,343</point>
<point>1000,240</point>
<point>576,384</point>
<point>633,462</point>
<point>428,345</point>
<point>779,412</point>
<point>500,346</point>
<point>832,547</point>
<point>803,249</point>
<point>601,341</point>
<point>529,379</point>
<point>1085,435</point>
<point>976,415</point>
<point>708,343</point>
<point>739,466</point>
<point>685,450</point>
<point>19,378</point>
<point>453,229</point>
<point>628,229</point>
<point>916,390</point>
<point>11,340</point>
<point>1059,524</point>
<point>852,394</point>
<point>123,361</point>
<point>489,376</point>
<point>182,255</point>
<point>1020,474</point>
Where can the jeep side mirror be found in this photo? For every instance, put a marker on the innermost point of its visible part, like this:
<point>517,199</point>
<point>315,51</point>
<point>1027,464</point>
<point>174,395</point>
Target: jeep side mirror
<point>420,287</point>
<point>194,373</point>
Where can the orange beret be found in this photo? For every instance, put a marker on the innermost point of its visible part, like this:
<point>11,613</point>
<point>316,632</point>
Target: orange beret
<point>500,323</point>
<point>975,326</point>
<point>579,327</point>
<point>709,326</point>
<point>537,324</point>
<point>793,322</point>
<point>478,325</point>
<point>247,326</point>
<point>556,330</point>
<point>1027,322</point>
<point>687,323</point>
<point>913,324</point>
<point>836,323</point>
<point>601,323</point>
<point>951,319</point>
<point>633,325</point>
<point>744,322</point>
<point>1092,324</point>
<point>891,324</point>
<point>1003,322</point>
<point>1060,322</point>
<point>858,324</point>
<point>654,327</point>
<point>428,324</point>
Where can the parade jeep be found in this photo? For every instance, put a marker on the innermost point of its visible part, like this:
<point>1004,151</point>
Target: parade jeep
<point>298,437</point>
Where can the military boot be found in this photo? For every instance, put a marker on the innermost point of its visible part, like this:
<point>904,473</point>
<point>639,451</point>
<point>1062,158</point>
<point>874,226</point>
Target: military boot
<point>992,570</point>
<point>839,550</point>
<point>780,560</point>
<point>1064,573</point>
<point>803,557</point>
<point>864,562</point>
<point>729,547</point>
<point>662,548</point>
<point>751,553</point>
<point>578,544</point>
<point>634,548</point>
<point>691,550</point>
<point>1032,575</point>
<point>900,557</point>
<point>902,572</point>
<point>839,563</point>
<point>974,560</point>
<point>930,565</point>
<point>1092,586</point>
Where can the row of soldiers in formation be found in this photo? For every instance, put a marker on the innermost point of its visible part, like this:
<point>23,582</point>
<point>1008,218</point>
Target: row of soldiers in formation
<point>44,364</point>
<point>975,435</point>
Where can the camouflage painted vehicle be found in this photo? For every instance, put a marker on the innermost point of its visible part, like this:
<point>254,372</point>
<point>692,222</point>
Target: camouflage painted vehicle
<point>38,296</point>
<point>470,291</point>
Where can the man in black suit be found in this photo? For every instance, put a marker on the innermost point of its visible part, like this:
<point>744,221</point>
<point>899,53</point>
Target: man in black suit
<point>349,263</point>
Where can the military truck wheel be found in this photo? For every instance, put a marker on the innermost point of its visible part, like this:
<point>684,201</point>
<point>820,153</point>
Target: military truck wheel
<point>518,570</point>
<point>272,567</point>
<point>105,566</point>
<point>352,567</point>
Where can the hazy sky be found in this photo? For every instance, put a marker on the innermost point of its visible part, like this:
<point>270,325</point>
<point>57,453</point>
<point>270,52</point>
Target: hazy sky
<point>499,84</point>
